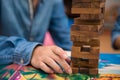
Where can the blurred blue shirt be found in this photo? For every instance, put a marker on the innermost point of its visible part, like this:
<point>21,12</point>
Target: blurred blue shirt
<point>19,34</point>
<point>116,31</point>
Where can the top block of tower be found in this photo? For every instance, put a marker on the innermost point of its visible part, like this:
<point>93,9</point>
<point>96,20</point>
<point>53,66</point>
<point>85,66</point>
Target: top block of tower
<point>87,6</point>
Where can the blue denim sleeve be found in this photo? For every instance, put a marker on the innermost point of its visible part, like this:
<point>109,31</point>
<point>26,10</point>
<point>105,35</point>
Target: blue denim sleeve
<point>116,31</point>
<point>59,28</point>
<point>13,49</point>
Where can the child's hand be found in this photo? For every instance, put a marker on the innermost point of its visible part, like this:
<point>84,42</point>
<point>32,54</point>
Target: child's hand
<point>47,58</point>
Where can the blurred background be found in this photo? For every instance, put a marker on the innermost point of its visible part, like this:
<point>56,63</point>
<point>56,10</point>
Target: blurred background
<point>112,10</point>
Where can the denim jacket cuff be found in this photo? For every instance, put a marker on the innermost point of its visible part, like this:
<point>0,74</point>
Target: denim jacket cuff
<point>24,52</point>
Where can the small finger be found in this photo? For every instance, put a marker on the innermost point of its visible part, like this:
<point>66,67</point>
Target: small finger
<point>66,66</point>
<point>45,68</point>
<point>63,64</point>
<point>60,52</point>
<point>52,64</point>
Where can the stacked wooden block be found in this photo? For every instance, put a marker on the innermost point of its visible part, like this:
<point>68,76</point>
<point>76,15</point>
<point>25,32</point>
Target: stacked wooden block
<point>85,35</point>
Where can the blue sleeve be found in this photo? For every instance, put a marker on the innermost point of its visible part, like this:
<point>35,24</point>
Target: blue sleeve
<point>59,28</point>
<point>116,31</point>
<point>13,49</point>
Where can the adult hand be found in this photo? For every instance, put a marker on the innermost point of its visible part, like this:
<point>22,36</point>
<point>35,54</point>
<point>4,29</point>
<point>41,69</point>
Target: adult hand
<point>50,58</point>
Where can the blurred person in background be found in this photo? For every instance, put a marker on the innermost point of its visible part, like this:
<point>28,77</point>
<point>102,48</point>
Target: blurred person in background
<point>116,33</point>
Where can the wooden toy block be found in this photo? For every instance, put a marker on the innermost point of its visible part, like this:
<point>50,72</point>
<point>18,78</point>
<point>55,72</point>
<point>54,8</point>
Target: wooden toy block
<point>86,10</point>
<point>81,5</point>
<point>83,64</point>
<point>95,42</point>
<point>88,5</point>
<point>91,17</point>
<point>77,44</point>
<point>87,63</point>
<point>88,48</point>
<point>94,28</point>
<point>97,4</point>
<point>81,1</point>
<point>78,21</point>
<point>99,0</point>
<point>80,38</point>
<point>75,62</point>
<point>87,1</point>
<point>75,70</point>
<point>92,50</point>
<point>93,54</point>
<point>91,71</point>
<point>84,33</point>
<point>85,55</point>
<point>83,36</point>
<point>75,51</point>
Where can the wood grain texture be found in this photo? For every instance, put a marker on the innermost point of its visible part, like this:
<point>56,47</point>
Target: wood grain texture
<point>86,10</point>
<point>87,63</point>
<point>92,28</point>
<point>92,71</point>
<point>88,5</point>
<point>78,21</point>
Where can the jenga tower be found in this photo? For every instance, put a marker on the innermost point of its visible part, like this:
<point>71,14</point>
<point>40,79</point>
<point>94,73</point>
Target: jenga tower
<point>85,35</point>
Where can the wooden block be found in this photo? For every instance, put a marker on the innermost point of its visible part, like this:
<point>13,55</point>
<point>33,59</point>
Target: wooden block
<point>88,22</point>
<point>78,21</point>
<point>88,55</point>
<point>80,38</point>
<point>85,33</point>
<point>91,71</point>
<point>75,50</point>
<point>87,63</point>
<point>87,1</point>
<point>93,50</point>
<point>81,5</point>
<point>83,36</point>
<point>92,17</point>
<point>84,64</point>
<point>92,42</point>
<point>75,62</point>
<point>86,10</point>
<point>99,0</point>
<point>75,70</point>
<point>93,54</point>
<point>80,1</point>
<point>88,4</point>
<point>93,28</point>
<point>97,4</point>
